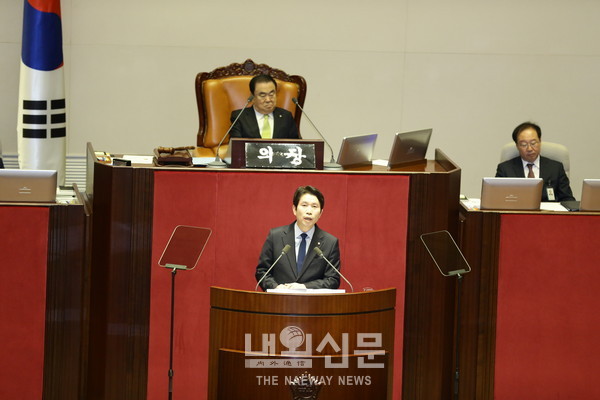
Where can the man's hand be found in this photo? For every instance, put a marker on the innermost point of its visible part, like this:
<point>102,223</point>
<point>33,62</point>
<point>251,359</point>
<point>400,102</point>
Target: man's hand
<point>296,285</point>
<point>293,285</point>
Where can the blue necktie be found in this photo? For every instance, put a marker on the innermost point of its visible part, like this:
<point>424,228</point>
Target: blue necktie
<point>301,252</point>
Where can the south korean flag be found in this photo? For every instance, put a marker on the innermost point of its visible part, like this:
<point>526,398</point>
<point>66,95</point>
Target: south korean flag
<point>42,120</point>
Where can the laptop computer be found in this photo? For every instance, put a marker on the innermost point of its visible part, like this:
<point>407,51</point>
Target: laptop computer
<point>590,195</point>
<point>357,151</point>
<point>28,185</point>
<point>409,147</point>
<point>523,194</point>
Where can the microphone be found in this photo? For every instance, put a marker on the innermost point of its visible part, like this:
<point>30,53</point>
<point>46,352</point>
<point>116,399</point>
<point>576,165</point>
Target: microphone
<point>218,163</point>
<point>330,165</point>
<point>320,254</point>
<point>284,251</point>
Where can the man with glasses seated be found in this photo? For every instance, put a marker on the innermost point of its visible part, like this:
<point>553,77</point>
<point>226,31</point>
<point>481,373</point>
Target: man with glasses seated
<point>528,138</point>
<point>264,119</point>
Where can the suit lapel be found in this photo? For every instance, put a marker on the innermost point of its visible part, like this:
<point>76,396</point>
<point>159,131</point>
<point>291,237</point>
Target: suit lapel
<point>277,118</point>
<point>287,237</point>
<point>545,173</point>
<point>518,166</point>
<point>249,119</point>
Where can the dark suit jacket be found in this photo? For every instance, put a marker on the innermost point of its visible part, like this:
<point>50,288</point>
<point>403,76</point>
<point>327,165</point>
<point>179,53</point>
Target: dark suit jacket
<point>315,274</point>
<point>247,126</point>
<point>551,171</point>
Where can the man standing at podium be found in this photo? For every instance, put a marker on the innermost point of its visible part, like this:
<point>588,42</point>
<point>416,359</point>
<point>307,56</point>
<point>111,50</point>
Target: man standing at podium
<point>264,119</point>
<point>301,267</point>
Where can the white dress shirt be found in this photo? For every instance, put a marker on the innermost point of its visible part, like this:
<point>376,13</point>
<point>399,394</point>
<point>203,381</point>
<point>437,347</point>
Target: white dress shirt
<point>298,232</point>
<point>536,167</point>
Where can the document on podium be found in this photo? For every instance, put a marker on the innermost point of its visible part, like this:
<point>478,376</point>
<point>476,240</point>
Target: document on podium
<point>474,205</point>
<point>306,291</point>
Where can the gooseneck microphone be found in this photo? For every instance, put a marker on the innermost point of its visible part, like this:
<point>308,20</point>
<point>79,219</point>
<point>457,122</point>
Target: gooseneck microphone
<point>332,165</point>
<point>320,254</point>
<point>218,163</point>
<point>283,251</point>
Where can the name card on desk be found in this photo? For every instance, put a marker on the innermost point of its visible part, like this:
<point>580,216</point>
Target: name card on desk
<point>275,153</point>
<point>280,155</point>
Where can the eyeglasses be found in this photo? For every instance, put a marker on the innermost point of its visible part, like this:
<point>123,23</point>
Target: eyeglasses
<point>525,145</point>
<point>263,95</point>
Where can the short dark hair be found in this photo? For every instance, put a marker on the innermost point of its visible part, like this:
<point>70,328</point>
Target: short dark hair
<point>302,190</point>
<point>526,125</point>
<point>263,78</point>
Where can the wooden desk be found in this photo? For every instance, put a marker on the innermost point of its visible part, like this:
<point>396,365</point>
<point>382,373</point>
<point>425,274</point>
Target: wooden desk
<point>237,316</point>
<point>530,316</point>
<point>44,301</point>
<point>378,216</point>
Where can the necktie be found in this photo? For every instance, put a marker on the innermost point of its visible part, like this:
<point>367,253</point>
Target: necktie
<point>301,252</point>
<point>266,128</point>
<point>530,174</point>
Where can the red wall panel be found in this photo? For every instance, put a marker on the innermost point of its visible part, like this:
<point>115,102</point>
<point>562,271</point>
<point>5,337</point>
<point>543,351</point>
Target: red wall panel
<point>548,301</point>
<point>23,257</point>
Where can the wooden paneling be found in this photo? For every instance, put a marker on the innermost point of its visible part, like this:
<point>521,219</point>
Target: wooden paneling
<point>429,312</point>
<point>121,264</point>
<point>57,281</point>
<point>479,238</point>
<point>121,251</point>
<point>235,313</point>
<point>67,308</point>
<point>493,242</point>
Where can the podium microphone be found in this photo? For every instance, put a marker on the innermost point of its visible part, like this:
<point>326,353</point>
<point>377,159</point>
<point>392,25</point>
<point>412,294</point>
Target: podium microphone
<point>320,254</point>
<point>284,251</point>
<point>218,163</point>
<point>330,165</point>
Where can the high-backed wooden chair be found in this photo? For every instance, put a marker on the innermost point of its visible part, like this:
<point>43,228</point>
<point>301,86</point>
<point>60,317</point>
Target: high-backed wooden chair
<point>225,89</point>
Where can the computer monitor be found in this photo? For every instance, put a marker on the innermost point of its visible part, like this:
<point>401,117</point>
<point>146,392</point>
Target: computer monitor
<point>409,147</point>
<point>28,185</point>
<point>357,150</point>
<point>590,195</point>
<point>511,193</point>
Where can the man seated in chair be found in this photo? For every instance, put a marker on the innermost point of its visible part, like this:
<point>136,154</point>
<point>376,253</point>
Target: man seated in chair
<point>264,119</point>
<point>528,138</point>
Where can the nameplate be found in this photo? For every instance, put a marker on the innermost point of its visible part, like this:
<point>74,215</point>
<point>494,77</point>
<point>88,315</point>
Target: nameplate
<point>236,153</point>
<point>265,154</point>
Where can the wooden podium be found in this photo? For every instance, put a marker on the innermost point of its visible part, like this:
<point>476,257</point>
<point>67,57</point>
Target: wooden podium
<point>44,294</point>
<point>347,341</point>
<point>530,317</point>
